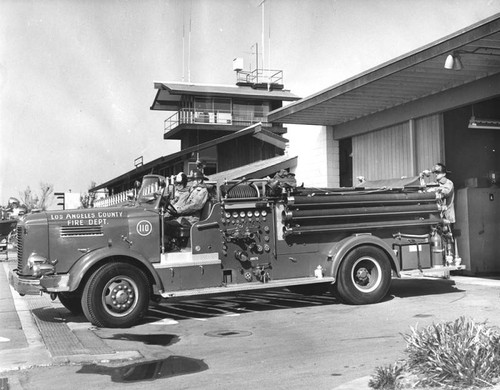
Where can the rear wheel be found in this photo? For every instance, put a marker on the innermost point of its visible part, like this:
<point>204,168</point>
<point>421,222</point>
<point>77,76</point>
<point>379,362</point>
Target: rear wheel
<point>71,301</point>
<point>364,276</point>
<point>116,296</point>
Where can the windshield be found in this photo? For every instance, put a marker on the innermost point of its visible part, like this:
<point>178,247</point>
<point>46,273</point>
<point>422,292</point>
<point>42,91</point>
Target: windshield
<point>150,190</point>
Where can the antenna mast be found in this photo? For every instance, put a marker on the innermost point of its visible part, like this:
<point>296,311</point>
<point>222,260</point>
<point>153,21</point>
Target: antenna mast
<point>269,40</point>
<point>189,44</point>
<point>262,4</point>
<point>183,48</point>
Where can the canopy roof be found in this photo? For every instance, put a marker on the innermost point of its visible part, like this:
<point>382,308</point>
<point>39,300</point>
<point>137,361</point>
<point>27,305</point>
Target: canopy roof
<point>256,170</point>
<point>408,78</point>
<point>255,131</point>
<point>169,94</point>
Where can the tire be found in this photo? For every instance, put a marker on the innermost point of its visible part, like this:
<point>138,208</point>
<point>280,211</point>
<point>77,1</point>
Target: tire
<point>72,301</point>
<point>364,276</point>
<point>129,303</point>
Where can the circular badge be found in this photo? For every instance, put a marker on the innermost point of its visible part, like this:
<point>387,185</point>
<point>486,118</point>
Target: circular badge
<point>144,228</point>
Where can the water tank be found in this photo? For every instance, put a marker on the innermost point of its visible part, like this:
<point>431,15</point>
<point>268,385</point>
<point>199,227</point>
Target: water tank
<point>238,64</point>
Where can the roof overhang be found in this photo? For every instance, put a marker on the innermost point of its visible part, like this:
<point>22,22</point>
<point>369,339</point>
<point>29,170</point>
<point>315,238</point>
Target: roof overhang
<point>169,94</point>
<point>256,170</point>
<point>255,131</point>
<point>406,80</point>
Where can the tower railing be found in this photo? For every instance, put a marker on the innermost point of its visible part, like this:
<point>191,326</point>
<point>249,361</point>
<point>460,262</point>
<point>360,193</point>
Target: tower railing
<point>215,117</point>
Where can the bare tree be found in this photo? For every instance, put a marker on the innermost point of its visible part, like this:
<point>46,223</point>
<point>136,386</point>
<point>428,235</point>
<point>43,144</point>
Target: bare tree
<point>28,198</point>
<point>47,191</point>
<point>33,201</point>
<point>87,199</point>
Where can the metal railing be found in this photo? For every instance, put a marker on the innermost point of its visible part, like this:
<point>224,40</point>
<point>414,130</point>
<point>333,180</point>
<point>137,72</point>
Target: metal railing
<point>260,76</point>
<point>219,117</point>
<point>112,200</point>
<point>122,197</point>
<point>189,116</point>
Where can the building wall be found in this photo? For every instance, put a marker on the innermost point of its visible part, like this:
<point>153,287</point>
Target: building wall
<point>400,150</point>
<point>318,155</point>
<point>245,150</point>
<point>382,154</point>
<point>472,153</point>
<point>429,141</point>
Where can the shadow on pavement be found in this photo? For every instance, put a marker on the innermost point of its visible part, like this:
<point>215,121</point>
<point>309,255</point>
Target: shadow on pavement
<point>163,340</point>
<point>204,307</point>
<point>148,371</point>
<point>405,288</point>
<point>226,305</point>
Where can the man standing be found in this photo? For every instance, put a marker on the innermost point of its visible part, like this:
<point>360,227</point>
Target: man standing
<point>446,190</point>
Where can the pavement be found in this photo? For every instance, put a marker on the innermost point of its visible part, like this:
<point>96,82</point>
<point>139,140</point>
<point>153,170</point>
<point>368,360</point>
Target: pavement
<point>36,332</point>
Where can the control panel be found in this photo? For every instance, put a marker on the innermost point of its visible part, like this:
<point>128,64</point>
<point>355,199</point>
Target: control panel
<point>248,234</point>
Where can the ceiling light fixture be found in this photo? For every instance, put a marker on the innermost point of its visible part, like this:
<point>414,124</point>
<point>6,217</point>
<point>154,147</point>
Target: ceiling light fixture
<point>487,124</point>
<point>454,62</point>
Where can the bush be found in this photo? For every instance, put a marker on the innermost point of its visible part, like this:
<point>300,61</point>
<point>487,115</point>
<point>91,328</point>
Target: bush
<point>457,354</point>
<point>385,377</point>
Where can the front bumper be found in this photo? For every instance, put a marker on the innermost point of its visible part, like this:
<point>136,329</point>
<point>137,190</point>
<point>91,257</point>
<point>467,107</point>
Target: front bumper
<point>24,286</point>
<point>47,283</point>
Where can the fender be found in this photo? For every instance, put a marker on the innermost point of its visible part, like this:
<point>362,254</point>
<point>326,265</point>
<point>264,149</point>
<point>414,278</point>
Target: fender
<point>341,248</point>
<point>83,265</point>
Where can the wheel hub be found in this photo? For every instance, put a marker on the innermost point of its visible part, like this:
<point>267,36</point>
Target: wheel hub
<point>362,274</point>
<point>121,296</point>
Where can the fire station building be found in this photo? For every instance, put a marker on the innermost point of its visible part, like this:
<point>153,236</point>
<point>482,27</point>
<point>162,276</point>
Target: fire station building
<point>439,103</point>
<point>224,128</point>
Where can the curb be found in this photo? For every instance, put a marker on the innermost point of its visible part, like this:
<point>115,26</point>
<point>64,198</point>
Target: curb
<point>356,384</point>
<point>489,282</point>
<point>60,338</point>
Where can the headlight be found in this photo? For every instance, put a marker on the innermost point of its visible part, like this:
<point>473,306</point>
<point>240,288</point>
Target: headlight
<point>35,259</point>
<point>40,265</point>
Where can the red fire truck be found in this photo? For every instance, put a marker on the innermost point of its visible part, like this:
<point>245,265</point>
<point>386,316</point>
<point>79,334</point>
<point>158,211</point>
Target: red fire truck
<point>109,263</point>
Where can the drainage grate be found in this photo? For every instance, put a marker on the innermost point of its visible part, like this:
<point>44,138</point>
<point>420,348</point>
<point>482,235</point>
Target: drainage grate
<point>4,383</point>
<point>59,339</point>
<point>228,333</point>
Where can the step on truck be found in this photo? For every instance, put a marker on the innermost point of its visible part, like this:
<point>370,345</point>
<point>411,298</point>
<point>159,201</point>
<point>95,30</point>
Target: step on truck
<point>111,263</point>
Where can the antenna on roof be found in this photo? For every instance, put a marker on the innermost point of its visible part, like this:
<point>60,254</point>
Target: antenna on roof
<point>262,4</point>
<point>189,44</point>
<point>183,50</point>
<point>269,40</point>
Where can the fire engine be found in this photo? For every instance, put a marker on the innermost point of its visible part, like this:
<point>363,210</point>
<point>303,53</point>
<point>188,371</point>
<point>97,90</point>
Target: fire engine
<point>110,263</point>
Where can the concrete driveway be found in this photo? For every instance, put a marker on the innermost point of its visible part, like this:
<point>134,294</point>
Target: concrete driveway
<point>271,339</point>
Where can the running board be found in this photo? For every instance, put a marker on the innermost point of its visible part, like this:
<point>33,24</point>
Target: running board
<point>247,286</point>
<point>434,272</point>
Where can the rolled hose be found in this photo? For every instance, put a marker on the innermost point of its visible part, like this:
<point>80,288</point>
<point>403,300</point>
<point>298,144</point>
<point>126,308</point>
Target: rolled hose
<point>333,213</point>
<point>385,198</point>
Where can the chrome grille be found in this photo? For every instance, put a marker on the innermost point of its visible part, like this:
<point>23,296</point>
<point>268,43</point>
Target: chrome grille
<point>81,231</point>
<point>19,241</point>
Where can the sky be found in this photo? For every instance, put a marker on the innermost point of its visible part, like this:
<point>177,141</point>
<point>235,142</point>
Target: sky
<point>77,77</point>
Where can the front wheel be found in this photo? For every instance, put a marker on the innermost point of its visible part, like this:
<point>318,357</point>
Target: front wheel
<point>72,301</point>
<point>116,296</point>
<point>364,276</point>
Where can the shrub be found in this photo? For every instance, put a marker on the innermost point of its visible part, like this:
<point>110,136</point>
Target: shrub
<point>385,377</point>
<point>457,354</point>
